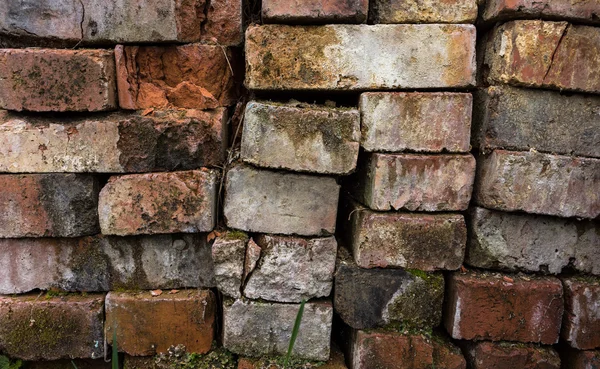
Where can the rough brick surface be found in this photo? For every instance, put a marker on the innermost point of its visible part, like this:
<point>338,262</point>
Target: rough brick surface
<point>147,324</point>
<point>427,11</point>
<point>159,203</point>
<point>531,243</point>
<point>581,323</point>
<point>314,11</point>
<point>259,328</point>
<point>105,263</point>
<point>301,137</point>
<point>505,355</point>
<point>497,307</point>
<point>547,121</point>
<point>391,239</point>
<point>129,21</point>
<point>539,183</point>
<point>576,359</point>
<point>40,328</point>
<point>228,254</point>
<point>165,140</point>
<point>544,54</point>
<point>580,11</point>
<point>415,121</point>
<point>48,205</point>
<point>369,298</point>
<point>292,269</point>
<point>392,350</point>
<point>275,202</point>
<point>191,76</point>
<point>414,182</point>
<point>359,57</point>
<point>57,80</point>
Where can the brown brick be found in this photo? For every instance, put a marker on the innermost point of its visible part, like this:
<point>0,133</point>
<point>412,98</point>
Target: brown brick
<point>416,121</point>
<point>586,11</point>
<point>164,140</point>
<point>190,76</point>
<point>423,11</point>
<point>147,324</point>
<point>392,239</point>
<point>159,203</point>
<point>315,11</point>
<point>544,54</point>
<point>48,205</point>
<point>34,327</point>
<point>581,322</point>
<point>57,80</point>
<point>576,359</point>
<point>414,182</point>
<point>506,355</point>
<point>497,307</point>
<point>539,183</point>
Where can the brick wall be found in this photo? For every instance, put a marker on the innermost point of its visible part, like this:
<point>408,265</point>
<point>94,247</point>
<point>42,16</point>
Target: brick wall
<point>177,177</point>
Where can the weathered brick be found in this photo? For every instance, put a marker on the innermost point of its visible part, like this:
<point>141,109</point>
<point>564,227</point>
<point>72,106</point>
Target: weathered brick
<point>392,239</point>
<point>500,307</point>
<point>581,322</point>
<point>165,140</point>
<point>427,11</point>
<point>369,298</point>
<point>537,53</point>
<point>102,263</point>
<point>48,205</point>
<point>531,243</point>
<point>51,328</point>
<point>359,57</point>
<point>275,202</point>
<point>538,183</point>
<point>393,350</point>
<point>414,182</point>
<point>129,21</point>
<point>315,11</point>
<point>522,119</point>
<point>301,137</point>
<point>577,359</point>
<point>292,269</point>
<point>159,203</point>
<point>57,80</point>
<point>191,76</point>
<point>415,121</point>
<point>586,11</point>
<point>507,355</point>
<point>68,364</point>
<point>260,328</point>
<point>147,324</point>
<point>228,254</point>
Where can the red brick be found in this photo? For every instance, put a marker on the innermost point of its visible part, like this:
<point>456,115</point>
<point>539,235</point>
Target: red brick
<point>159,203</point>
<point>576,359</point>
<point>57,80</point>
<point>586,11</point>
<point>506,355</point>
<point>501,307</point>
<point>391,350</point>
<point>190,76</point>
<point>423,11</point>
<point>539,183</point>
<point>35,327</point>
<point>48,205</point>
<point>223,22</point>
<point>147,324</point>
<point>315,11</point>
<point>544,54</point>
<point>414,182</point>
<point>581,322</point>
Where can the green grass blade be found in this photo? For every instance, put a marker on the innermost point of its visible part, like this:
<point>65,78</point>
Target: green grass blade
<point>75,366</point>
<point>115,352</point>
<point>294,333</point>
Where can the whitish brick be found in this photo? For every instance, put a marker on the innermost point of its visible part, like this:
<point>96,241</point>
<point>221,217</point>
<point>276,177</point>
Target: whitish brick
<point>165,140</point>
<point>586,11</point>
<point>301,137</point>
<point>414,182</point>
<point>539,183</point>
<point>423,11</point>
<point>415,121</point>
<point>159,203</point>
<point>314,11</point>
<point>261,328</point>
<point>228,254</point>
<point>359,57</point>
<point>274,202</point>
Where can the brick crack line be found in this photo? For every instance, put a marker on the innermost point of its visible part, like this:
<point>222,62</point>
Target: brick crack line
<point>562,36</point>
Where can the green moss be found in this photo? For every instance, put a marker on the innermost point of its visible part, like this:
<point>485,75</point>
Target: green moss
<point>235,235</point>
<point>279,361</point>
<point>177,358</point>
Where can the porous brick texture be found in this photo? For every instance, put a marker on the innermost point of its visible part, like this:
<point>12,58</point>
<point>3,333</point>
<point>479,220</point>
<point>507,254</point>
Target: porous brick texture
<point>428,11</point>
<point>314,11</point>
<point>507,355</point>
<point>581,324</point>
<point>578,359</point>
<point>586,11</point>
